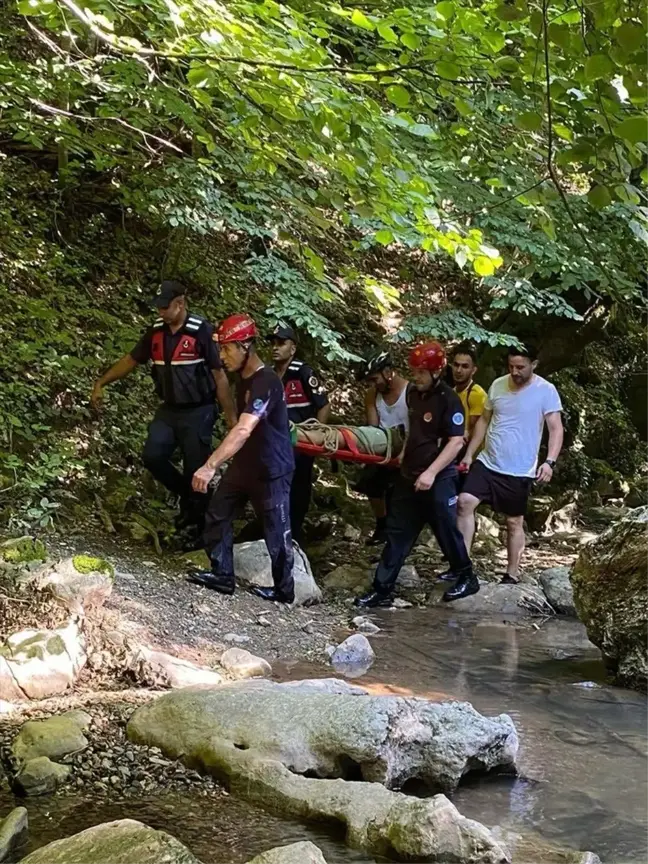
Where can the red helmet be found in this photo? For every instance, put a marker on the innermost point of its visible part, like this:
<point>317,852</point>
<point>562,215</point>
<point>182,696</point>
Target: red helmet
<point>430,356</point>
<point>236,328</point>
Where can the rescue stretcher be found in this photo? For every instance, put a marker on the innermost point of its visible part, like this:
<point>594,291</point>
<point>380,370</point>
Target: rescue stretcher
<point>369,445</point>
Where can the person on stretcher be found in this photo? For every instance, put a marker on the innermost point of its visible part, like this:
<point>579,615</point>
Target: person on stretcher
<point>385,406</point>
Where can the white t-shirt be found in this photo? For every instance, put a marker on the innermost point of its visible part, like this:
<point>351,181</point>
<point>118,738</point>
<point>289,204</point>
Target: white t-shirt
<point>515,430</point>
<point>394,415</point>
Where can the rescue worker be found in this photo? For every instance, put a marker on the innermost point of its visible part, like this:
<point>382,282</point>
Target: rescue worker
<point>188,376</point>
<point>260,471</point>
<point>425,491</point>
<point>386,406</point>
<point>518,407</point>
<point>306,399</point>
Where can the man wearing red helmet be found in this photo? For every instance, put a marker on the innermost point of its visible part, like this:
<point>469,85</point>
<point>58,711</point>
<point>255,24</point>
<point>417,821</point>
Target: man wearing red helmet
<point>426,491</point>
<point>260,470</point>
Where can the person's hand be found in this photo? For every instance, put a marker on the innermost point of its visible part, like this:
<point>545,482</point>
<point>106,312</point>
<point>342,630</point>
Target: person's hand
<point>465,463</point>
<point>96,396</point>
<point>202,478</point>
<point>545,473</point>
<point>425,481</point>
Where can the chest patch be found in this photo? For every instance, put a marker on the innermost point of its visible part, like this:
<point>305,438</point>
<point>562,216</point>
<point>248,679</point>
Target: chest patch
<point>427,417</point>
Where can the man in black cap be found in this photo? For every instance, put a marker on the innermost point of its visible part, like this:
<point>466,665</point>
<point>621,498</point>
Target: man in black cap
<point>306,398</point>
<point>188,376</point>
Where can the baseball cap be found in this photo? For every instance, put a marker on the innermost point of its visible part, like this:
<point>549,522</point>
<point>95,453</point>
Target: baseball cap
<point>167,292</point>
<point>282,331</point>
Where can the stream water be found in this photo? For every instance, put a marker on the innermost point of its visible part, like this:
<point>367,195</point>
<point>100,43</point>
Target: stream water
<point>583,759</point>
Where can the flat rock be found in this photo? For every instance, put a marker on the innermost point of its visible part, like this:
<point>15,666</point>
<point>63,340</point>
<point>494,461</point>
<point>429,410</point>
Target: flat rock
<point>13,832</point>
<point>354,656</point>
<point>504,600</point>
<point>348,578</point>
<point>54,737</point>
<point>80,583</point>
<point>240,663</point>
<point>365,625</point>
<point>296,853</point>
<point>531,848</point>
<point>122,842</point>
<point>157,668</point>
<point>40,776</point>
<point>558,590</point>
<point>35,664</point>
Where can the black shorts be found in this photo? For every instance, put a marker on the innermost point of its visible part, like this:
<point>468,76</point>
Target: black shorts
<point>376,481</point>
<point>503,492</point>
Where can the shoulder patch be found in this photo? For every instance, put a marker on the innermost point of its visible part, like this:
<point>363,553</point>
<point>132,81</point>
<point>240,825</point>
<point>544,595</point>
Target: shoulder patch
<point>313,381</point>
<point>458,418</point>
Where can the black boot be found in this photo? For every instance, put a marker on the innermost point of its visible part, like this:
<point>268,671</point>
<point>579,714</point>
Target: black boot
<point>273,594</point>
<point>210,580</point>
<point>373,599</point>
<point>446,576</point>
<point>466,584</point>
<point>379,536</point>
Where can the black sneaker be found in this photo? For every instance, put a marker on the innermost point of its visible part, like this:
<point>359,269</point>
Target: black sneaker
<point>273,594</point>
<point>466,585</point>
<point>373,599</point>
<point>207,579</point>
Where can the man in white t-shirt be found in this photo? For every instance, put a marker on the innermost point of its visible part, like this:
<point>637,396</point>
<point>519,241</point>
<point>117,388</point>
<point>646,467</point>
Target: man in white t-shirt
<point>518,406</point>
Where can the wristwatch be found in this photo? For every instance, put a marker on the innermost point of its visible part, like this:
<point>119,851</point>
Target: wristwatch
<point>551,463</point>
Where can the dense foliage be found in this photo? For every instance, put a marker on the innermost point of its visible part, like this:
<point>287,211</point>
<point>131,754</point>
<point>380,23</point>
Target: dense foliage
<point>452,169</point>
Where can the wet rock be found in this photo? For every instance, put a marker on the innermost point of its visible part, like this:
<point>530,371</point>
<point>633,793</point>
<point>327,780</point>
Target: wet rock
<point>399,603</point>
<point>610,582</point>
<point>40,776</point>
<point>240,663</point>
<point>79,583</point>
<point>364,625</point>
<point>386,739</point>
<point>354,656</point>
<point>121,842</point>
<point>352,533</point>
<point>13,833</point>
<point>54,737</point>
<point>348,578</point>
<point>605,515</point>
<point>408,577</point>
<point>35,664</point>
<point>558,590</point>
<point>505,600</point>
<point>252,567</point>
<point>530,847</point>
<point>296,853</point>
<point>156,668</point>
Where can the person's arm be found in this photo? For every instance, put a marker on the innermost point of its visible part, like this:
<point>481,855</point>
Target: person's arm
<point>555,427</point>
<point>478,435</point>
<point>324,413</point>
<point>446,457</point>
<point>229,447</point>
<point>224,396</point>
<point>316,393</point>
<point>370,408</point>
<point>117,371</point>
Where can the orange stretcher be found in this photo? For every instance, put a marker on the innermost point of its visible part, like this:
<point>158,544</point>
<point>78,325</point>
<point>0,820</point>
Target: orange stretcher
<point>345,447</point>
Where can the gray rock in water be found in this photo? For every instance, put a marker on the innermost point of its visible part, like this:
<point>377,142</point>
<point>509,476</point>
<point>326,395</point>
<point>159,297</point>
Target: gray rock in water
<point>239,663</point>
<point>364,625</point>
<point>505,600</point>
<point>387,739</point>
<point>558,590</point>
<point>53,737</point>
<point>354,656</point>
<point>121,842</point>
<point>40,776</point>
<point>531,848</point>
<point>13,833</point>
<point>296,853</point>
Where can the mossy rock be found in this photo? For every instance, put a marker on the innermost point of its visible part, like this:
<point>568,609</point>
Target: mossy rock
<point>21,550</point>
<point>90,564</point>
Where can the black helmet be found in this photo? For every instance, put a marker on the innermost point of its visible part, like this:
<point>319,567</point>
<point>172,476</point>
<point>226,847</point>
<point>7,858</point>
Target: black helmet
<point>374,364</point>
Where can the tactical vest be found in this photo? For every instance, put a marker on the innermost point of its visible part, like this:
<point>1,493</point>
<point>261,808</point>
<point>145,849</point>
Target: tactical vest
<point>185,379</point>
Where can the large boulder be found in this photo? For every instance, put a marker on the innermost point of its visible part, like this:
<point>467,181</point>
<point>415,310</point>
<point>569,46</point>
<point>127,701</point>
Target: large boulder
<point>35,664</point>
<point>384,739</point>
<point>40,776</point>
<point>558,590</point>
<point>121,842</point>
<point>513,600</point>
<point>159,669</point>
<point>13,833</point>
<point>80,583</point>
<point>55,737</point>
<point>296,853</point>
<point>610,581</point>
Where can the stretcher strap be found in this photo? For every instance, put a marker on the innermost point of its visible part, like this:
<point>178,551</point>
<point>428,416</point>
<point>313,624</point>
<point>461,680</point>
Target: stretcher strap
<point>350,435</point>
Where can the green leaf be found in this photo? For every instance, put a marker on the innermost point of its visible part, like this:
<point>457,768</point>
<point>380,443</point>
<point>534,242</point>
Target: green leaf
<point>446,9</point>
<point>463,107</point>
<point>360,20</point>
<point>529,121</point>
<point>423,130</point>
<point>563,132</point>
<point>630,36</point>
<point>506,12</point>
<point>495,40</point>
<point>31,7</point>
<point>398,95</point>
<point>598,66</point>
<point>599,197</point>
<point>633,129</point>
<point>559,35</point>
<point>483,266</point>
<point>411,40</point>
<point>508,65</point>
<point>387,33</point>
<point>384,237</point>
<point>627,193</point>
<point>446,69</point>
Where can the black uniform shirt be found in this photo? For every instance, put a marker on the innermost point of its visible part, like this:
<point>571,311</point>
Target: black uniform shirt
<point>268,453</point>
<point>435,415</point>
<point>304,393</point>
